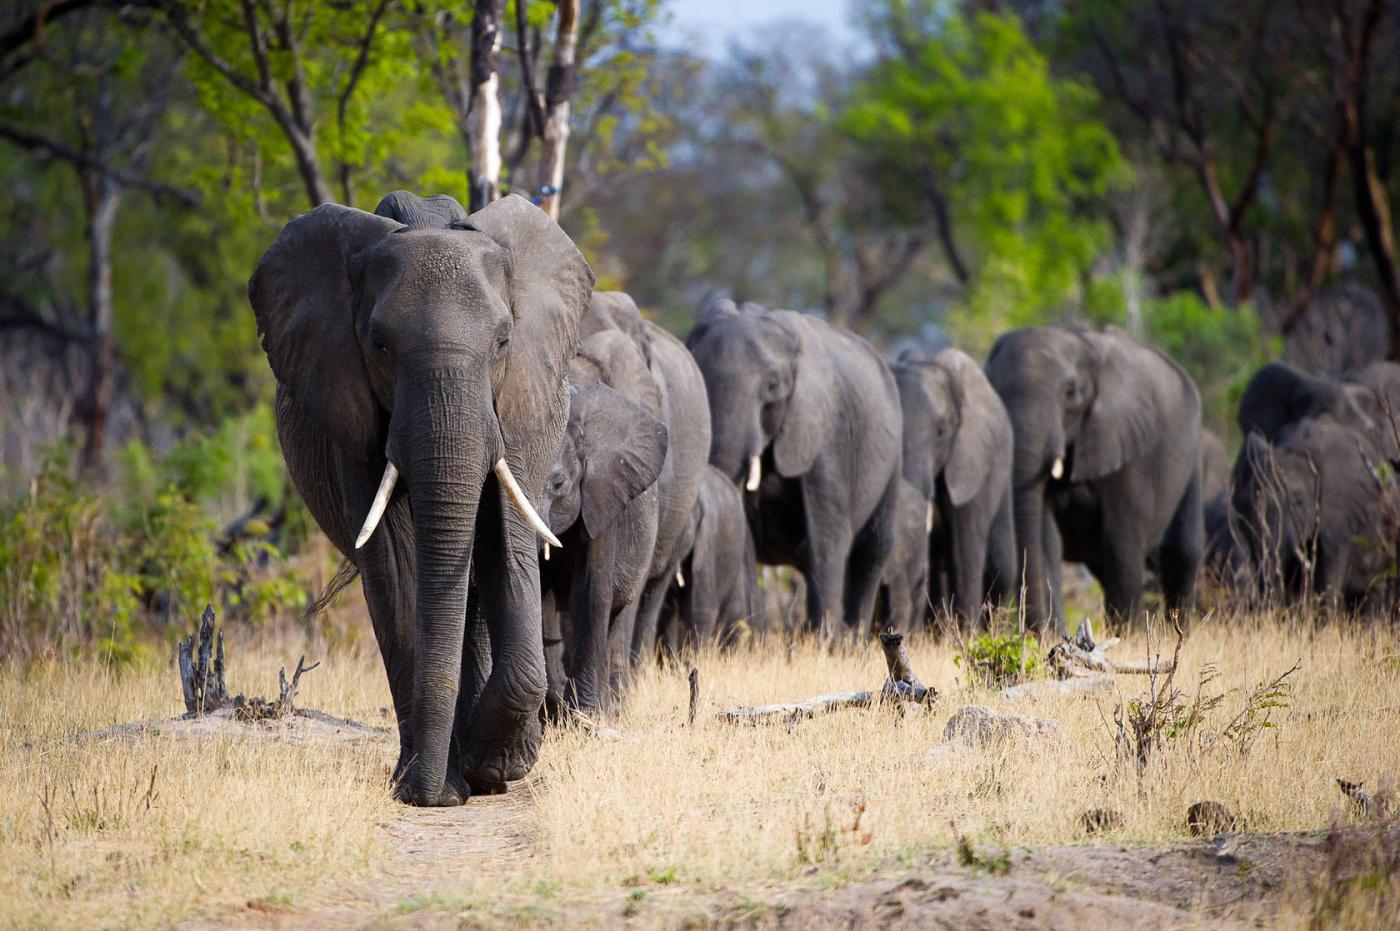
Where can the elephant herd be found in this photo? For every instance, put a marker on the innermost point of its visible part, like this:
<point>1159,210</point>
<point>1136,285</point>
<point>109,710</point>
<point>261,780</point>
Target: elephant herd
<point>539,487</point>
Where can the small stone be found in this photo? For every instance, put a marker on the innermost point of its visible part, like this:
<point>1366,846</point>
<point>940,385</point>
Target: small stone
<point>1099,820</point>
<point>979,726</point>
<point>1210,818</point>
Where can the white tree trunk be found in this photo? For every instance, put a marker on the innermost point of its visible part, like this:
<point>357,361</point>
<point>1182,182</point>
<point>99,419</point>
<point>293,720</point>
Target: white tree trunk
<point>484,120</point>
<point>558,91</point>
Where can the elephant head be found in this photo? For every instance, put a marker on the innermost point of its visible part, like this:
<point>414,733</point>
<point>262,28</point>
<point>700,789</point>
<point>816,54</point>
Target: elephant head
<point>951,415</point>
<point>612,452</point>
<point>1082,405</point>
<point>770,385</point>
<point>1279,396</point>
<point>436,351</point>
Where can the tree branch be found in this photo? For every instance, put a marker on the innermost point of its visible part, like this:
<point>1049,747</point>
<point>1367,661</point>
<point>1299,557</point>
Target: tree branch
<point>82,160</point>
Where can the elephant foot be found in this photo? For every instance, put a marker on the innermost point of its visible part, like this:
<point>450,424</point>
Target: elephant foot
<point>489,763</point>
<point>455,788</point>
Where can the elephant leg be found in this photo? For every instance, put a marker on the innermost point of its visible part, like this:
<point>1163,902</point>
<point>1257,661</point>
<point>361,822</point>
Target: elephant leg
<point>829,540</point>
<point>1121,564</point>
<point>590,611</point>
<point>1054,556</point>
<point>870,552</point>
<point>553,656</point>
<point>1179,557</point>
<point>649,615</point>
<point>504,679</point>
<point>1000,571</point>
<point>969,552</point>
<point>620,635</point>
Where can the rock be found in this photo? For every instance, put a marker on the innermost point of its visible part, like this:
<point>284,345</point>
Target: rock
<point>979,726</point>
<point>1099,820</point>
<point>1210,818</point>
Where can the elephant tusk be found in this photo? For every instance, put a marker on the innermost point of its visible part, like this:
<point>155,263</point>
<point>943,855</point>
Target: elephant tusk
<point>680,579</point>
<point>381,501</point>
<point>1057,468</point>
<point>522,503</point>
<point>928,519</point>
<point>755,473</point>
<point>546,552</point>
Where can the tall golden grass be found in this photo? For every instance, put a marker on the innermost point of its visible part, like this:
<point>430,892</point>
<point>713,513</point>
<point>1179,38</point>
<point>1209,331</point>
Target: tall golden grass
<point>84,840</point>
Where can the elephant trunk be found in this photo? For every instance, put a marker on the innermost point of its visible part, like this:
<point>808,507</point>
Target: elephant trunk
<point>447,462</point>
<point>1037,451</point>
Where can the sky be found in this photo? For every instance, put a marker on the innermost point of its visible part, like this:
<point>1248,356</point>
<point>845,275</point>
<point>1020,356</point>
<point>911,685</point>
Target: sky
<point>714,22</point>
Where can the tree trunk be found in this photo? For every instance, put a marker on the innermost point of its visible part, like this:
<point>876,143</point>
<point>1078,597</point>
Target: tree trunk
<point>559,88</point>
<point>101,201</point>
<point>484,118</point>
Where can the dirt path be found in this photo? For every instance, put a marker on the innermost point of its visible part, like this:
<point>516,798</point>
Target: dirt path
<point>1236,880</point>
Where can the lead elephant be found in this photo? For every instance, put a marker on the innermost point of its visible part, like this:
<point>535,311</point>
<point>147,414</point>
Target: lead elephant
<point>420,400</point>
<point>806,416</point>
<point>1107,465</point>
<point>957,455</point>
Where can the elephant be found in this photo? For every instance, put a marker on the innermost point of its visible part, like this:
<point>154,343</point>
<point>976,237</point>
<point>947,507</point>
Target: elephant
<point>1107,465</point>
<point>1315,510</point>
<point>716,587</point>
<point>1215,465</point>
<point>603,506</point>
<point>957,454</point>
<point>903,596</point>
<point>1279,396</point>
<point>806,415</point>
<point>420,400</point>
<point>682,403</point>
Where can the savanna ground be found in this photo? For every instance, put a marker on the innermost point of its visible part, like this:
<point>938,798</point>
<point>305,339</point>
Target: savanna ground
<point>842,820</point>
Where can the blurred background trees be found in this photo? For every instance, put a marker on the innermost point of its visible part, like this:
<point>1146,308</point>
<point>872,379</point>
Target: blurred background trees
<point>1219,178</point>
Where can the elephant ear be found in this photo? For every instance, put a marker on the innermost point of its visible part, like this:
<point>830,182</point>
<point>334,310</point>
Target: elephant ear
<point>811,408</point>
<point>549,285</point>
<point>980,411</point>
<point>620,366</point>
<point>304,296</point>
<point>623,448</point>
<point>1123,421</point>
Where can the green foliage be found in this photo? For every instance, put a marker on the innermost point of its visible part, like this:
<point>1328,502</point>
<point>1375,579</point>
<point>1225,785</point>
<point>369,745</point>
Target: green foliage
<point>997,660</point>
<point>79,568</point>
<point>969,112</point>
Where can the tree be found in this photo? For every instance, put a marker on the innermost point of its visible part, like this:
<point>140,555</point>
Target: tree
<point>972,135</point>
<point>287,60</point>
<point>113,87</point>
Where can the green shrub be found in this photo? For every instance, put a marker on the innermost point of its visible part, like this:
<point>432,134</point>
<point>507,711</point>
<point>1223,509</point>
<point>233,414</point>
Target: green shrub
<point>997,660</point>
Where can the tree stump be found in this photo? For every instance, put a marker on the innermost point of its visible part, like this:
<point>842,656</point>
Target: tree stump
<point>200,658</point>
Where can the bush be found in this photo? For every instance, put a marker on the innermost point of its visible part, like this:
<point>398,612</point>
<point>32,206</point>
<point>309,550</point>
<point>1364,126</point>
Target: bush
<point>82,568</point>
<point>998,660</point>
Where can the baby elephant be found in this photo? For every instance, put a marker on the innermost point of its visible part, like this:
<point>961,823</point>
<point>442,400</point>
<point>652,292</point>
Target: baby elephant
<point>715,592</point>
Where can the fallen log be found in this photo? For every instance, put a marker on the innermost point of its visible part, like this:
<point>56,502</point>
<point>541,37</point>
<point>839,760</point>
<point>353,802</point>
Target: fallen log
<point>901,688</point>
<point>1082,657</point>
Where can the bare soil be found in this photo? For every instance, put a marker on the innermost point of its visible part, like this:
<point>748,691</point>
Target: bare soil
<point>434,854</point>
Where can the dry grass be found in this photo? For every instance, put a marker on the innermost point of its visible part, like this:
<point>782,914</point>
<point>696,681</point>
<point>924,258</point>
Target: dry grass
<point>710,806</point>
<point>142,830</point>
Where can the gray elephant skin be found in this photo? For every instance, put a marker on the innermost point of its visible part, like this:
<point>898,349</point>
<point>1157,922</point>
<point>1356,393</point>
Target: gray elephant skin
<point>806,416</point>
<point>958,448</point>
<point>433,354</point>
<point>902,601</point>
<point>602,504</point>
<point>605,591</point>
<point>716,587</point>
<point>1311,511</point>
<point>1107,465</point>
<point>1280,396</point>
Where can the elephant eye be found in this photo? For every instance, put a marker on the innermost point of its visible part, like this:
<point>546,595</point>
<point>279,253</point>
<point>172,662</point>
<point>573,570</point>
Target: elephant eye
<point>502,341</point>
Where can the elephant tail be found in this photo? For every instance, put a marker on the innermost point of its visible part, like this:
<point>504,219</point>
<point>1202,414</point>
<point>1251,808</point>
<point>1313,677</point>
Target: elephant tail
<point>345,573</point>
